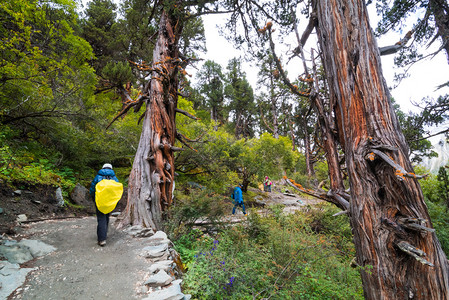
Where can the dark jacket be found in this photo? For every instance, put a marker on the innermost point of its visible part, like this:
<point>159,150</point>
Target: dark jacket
<point>237,195</point>
<point>102,174</point>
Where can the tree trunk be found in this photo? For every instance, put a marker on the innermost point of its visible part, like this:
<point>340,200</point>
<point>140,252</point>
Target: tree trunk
<point>273,109</point>
<point>309,165</point>
<point>440,11</point>
<point>151,181</point>
<point>381,197</point>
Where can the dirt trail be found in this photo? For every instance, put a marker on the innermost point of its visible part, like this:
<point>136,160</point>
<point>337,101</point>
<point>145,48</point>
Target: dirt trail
<point>79,268</point>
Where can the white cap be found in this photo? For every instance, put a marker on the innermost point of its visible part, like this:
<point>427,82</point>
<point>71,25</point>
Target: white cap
<point>107,166</point>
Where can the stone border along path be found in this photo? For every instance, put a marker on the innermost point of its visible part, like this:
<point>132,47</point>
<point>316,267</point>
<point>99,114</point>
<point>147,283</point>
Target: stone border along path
<point>136,263</point>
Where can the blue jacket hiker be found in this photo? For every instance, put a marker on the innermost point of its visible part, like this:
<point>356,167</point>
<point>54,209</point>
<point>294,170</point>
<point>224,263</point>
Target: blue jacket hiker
<point>238,199</point>
<point>102,219</point>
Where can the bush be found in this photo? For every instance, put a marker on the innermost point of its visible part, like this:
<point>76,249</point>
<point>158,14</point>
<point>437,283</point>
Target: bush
<point>277,256</point>
<point>193,204</point>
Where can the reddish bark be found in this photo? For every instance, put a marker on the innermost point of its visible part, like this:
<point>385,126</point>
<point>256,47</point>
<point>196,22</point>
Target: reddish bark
<point>379,200</point>
<point>152,176</point>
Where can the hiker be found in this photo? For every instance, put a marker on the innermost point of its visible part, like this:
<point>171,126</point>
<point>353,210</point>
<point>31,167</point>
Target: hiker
<point>267,184</point>
<point>102,219</point>
<point>238,199</point>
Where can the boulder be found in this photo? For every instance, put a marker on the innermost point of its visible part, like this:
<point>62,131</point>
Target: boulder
<point>81,196</point>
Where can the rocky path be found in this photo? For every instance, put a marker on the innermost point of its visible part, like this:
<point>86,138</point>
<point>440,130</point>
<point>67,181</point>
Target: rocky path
<point>80,269</point>
<point>135,264</point>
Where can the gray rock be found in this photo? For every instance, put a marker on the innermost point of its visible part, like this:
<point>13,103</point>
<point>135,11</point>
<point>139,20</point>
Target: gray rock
<point>11,277</point>
<point>155,251</point>
<point>1,210</point>
<point>17,192</point>
<point>21,218</point>
<point>161,278</point>
<point>173,292</point>
<point>139,231</point>
<point>59,198</point>
<point>159,237</point>
<point>36,248</point>
<point>23,251</point>
<point>15,254</point>
<point>81,196</point>
<point>165,265</point>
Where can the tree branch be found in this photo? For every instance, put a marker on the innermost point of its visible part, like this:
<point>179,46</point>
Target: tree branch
<point>186,113</point>
<point>400,171</point>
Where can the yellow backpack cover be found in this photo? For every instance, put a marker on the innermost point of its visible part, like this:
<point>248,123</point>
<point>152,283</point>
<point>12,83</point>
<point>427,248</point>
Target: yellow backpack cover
<point>107,194</point>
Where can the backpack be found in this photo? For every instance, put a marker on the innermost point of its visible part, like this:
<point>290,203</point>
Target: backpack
<point>107,194</point>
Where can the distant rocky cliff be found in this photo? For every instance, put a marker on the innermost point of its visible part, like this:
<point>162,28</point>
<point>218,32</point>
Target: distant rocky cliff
<point>441,146</point>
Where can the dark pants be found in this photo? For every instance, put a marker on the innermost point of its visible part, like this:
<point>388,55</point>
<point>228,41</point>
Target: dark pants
<point>239,204</point>
<point>102,225</point>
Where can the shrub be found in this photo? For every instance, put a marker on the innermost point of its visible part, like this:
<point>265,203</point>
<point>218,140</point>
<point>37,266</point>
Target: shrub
<point>276,256</point>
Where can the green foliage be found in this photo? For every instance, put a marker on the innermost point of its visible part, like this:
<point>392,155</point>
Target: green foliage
<point>434,188</point>
<point>276,256</point>
<point>30,163</point>
<point>192,204</point>
<point>440,220</point>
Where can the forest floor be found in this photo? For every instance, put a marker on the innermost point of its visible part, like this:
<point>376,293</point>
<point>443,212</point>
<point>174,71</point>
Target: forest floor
<point>80,269</point>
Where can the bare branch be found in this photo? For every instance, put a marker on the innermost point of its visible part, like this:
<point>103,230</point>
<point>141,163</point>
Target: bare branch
<point>400,171</point>
<point>415,224</point>
<point>331,197</point>
<point>415,252</point>
<point>398,46</point>
<point>186,113</point>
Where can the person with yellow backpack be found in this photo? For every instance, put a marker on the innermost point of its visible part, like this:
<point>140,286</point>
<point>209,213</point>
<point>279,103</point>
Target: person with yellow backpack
<point>106,191</point>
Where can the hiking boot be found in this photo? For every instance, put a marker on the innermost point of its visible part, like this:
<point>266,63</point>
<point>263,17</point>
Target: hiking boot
<point>102,243</point>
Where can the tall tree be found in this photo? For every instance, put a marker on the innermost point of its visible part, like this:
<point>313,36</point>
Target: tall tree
<point>241,97</point>
<point>387,204</point>
<point>211,85</point>
<point>151,181</point>
<point>44,72</point>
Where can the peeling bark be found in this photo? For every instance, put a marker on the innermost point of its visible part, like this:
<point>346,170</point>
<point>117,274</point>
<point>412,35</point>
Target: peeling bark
<point>152,176</point>
<point>378,198</point>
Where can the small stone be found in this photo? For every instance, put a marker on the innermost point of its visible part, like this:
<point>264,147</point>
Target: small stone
<point>155,251</point>
<point>21,218</point>
<point>165,265</point>
<point>59,198</point>
<point>36,201</point>
<point>17,192</point>
<point>1,210</point>
<point>161,278</point>
<point>173,292</point>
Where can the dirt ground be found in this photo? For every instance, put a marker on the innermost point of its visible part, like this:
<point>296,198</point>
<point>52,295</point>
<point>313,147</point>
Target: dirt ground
<point>79,268</point>
<point>36,202</point>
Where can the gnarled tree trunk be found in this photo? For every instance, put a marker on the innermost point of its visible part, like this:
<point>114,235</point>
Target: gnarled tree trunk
<point>385,200</point>
<point>152,176</point>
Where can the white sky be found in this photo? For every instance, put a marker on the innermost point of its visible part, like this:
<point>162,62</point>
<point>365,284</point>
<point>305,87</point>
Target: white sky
<point>425,75</point>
